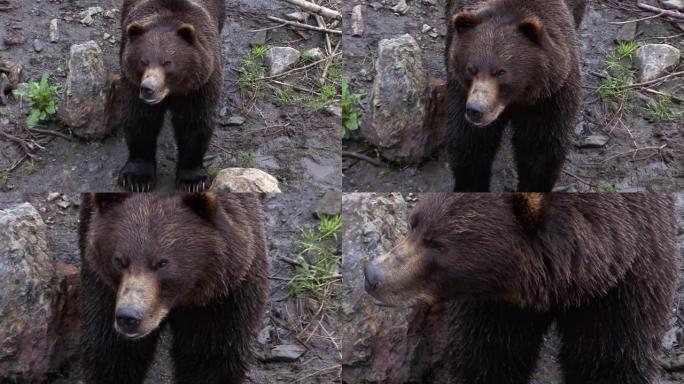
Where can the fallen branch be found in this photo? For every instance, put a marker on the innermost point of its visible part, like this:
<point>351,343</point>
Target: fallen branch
<point>665,12</point>
<point>363,157</point>
<point>315,63</point>
<point>635,20</point>
<point>50,132</point>
<point>578,178</point>
<point>26,146</point>
<point>655,80</point>
<point>317,9</point>
<point>673,97</point>
<point>305,26</point>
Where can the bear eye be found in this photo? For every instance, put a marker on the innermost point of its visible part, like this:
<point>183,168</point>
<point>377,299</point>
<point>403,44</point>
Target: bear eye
<point>472,71</point>
<point>436,245</point>
<point>162,263</point>
<point>120,263</point>
<point>500,73</point>
<point>144,63</point>
<point>166,64</point>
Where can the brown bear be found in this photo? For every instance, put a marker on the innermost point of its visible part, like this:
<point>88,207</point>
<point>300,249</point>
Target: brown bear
<point>514,61</point>
<point>601,266</point>
<point>196,262</point>
<point>170,60</point>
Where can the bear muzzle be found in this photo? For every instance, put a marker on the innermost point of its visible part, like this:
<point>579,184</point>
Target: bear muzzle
<point>153,89</point>
<point>483,106</point>
<point>138,309</point>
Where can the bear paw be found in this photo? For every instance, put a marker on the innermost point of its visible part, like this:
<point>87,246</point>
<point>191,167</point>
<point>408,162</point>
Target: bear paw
<point>138,176</point>
<point>193,180</point>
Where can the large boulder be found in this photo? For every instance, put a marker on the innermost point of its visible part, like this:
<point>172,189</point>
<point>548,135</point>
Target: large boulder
<point>393,345</point>
<point>30,296</point>
<point>398,101</point>
<point>654,60</point>
<point>86,92</point>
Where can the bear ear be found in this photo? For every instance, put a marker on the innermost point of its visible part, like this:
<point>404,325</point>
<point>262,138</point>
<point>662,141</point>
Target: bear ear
<point>187,32</point>
<point>105,201</point>
<point>134,30</point>
<point>205,204</point>
<point>528,208</point>
<point>464,21</point>
<point>532,28</point>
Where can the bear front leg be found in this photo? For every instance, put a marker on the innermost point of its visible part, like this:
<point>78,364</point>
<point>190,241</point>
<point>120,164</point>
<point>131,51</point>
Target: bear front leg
<point>106,357</point>
<point>211,345</point>
<point>193,123</point>
<point>615,338</point>
<point>471,149</point>
<point>141,125</point>
<point>541,139</point>
<point>494,342</point>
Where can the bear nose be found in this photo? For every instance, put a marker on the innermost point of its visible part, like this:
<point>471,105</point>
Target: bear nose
<point>128,319</point>
<point>475,111</point>
<point>372,278</point>
<point>147,90</point>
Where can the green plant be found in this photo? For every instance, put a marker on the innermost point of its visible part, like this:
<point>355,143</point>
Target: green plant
<point>285,96</point>
<point>251,69</point>
<point>618,75</point>
<point>247,159</point>
<point>213,171</point>
<point>665,109</point>
<point>3,179</point>
<point>30,167</point>
<point>41,98</point>
<point>327,95</point>
<point>350,109</point>
<point>607,188</point>
<point>317,259</point>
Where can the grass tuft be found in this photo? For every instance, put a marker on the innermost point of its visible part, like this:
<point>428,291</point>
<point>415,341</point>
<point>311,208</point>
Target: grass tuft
<point>42,100</point>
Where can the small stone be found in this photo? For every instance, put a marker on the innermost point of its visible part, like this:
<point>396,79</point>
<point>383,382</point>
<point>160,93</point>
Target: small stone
<point>627,32</point>
<point>654,60</point>
<point>314,54</point>
<point>259,38</point>
<point>401,7</point>
<point>106,36</point>
<point>111,13</point>
<point>330,204</point>
<point>593,141</point>
<point>265,335</point>
<point>63,204</point>
<point>301,17</point>
<point>673,4</point>
<point>235,120</point>
<point>357,21</point>
<point>285,353</point>
<point>243,180</point>
<point>280,59</point>
<point>37,45</point>
<point>426,28</point>
<point>52,196</point>
<point>87,15</point>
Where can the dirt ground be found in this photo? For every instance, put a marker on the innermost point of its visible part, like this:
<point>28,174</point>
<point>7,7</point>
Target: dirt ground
<point>286,321</point>
<point>614,166</point>
<point>297,145</point>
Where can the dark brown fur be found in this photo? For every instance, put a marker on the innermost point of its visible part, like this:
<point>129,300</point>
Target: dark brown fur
<point>530,50</point>
<point>214,284</point>
<point>601,266</point>
<point>155,34</point>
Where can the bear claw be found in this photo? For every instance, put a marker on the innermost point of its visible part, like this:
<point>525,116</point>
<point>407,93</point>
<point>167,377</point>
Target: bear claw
<point>194,180</point>
<point>138,177</point>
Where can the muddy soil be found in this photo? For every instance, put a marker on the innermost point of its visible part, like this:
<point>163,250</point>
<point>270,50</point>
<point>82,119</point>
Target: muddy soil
<point>286,320</point>
<point>613,166</point>
<point>300,147</point>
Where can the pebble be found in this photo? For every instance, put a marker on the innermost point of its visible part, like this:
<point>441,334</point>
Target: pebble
<point>593,141</point>
<point>52,196</point>
<point>673,4</point>
<point>37,45</point>
<point>654,60</point>
<point>54,31</point>
<point>285,353</point>
<point>357,21</point>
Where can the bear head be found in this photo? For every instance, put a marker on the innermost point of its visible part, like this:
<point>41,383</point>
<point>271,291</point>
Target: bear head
<point>502,57</point>
<point>164,252</point>
<point>165,57</point>
<point>458,246</point>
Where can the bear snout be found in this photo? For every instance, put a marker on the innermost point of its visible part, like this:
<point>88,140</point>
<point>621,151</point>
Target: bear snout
<point>153,89</point>
<point>372,278</point>
<point>128,320</point>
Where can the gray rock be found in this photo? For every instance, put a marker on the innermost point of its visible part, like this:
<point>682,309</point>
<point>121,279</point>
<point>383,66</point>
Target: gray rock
<point>37,45</point>
<point>87,15</point>
<point>329,204</point>
<point>29,296</point>
<point>259,38</point>
<point>285,353</point>
<point>412,340</point>
<point>235,120</point>
<point>244,180</point>
<point>401,7</point>
<point>83,108</point>
<point>314,54</point>
<point>593,141</point>
<point>653,60</point>
<point>673,4</point>
<point>54,31</point>
<point>627,32</point>
<point>280,59</point>
<point>398,101</point>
